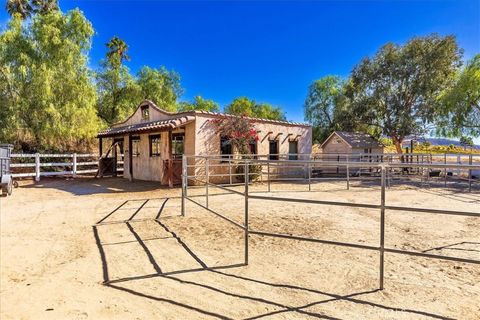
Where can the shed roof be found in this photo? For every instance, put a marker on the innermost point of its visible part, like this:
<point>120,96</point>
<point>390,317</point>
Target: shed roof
<point>356,139</point>
<point>147,126</point>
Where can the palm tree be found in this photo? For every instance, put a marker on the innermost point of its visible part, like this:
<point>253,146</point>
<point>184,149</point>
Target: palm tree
<point>45,6</point>
<point>21,7</point>
<point>117,51</point>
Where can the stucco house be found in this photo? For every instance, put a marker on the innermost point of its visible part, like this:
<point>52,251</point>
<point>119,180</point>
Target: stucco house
<point>341,142</point>
<point>154,140</point>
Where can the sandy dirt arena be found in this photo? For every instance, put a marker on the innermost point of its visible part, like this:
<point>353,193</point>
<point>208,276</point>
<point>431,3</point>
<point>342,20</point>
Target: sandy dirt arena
<point>109,249</point>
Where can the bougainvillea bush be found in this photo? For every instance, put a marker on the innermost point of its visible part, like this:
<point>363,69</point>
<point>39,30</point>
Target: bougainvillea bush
<point>240,132</point>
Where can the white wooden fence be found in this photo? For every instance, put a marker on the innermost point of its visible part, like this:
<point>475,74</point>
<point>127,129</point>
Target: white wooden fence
<point>72,166</point>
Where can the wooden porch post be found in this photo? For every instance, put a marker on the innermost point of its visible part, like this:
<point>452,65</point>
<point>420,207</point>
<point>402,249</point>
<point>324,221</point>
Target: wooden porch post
<point>130,157</point>
<point>100,147</point>
<point>114,173</point>
<point>170,159</point>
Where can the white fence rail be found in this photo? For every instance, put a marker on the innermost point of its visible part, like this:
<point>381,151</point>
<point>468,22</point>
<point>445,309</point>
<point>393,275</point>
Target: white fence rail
<point>70,168</point>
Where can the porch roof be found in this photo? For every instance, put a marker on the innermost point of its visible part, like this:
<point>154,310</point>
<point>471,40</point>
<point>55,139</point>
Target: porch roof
<point>160,125</point>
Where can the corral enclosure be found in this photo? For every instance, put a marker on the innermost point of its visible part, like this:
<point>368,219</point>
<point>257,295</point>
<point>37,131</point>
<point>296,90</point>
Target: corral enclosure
<point>155,263</point>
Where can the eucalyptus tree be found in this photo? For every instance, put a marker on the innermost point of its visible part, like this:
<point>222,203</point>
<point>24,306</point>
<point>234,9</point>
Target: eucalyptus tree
<point>397,92</point>
<point>199,103</point>
<point>325,107</point>
<point>461,103</point>
<point>161,86</point>
<point>246,107</point>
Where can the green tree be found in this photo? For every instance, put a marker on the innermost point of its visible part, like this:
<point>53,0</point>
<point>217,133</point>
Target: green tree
<point>45,6</point>
<point>48,99</point>
<point>461,103</point>
<point>117,89</point>
<point>323,106</point>
<point>21,7</point>
<point>161,86</point>
<point>247,107</point>
<point>117,52</point>
<point>397,91</point>
<point>199,103</point>
<point>466,141</point>
<point>267,111</point>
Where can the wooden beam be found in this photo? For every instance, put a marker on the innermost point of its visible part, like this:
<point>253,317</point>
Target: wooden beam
<point>100,147</point>
<point>170,159</point>
<point>130,157</point>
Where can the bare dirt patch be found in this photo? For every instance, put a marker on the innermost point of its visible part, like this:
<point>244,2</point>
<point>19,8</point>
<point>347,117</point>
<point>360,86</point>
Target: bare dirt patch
<point>54,263</point>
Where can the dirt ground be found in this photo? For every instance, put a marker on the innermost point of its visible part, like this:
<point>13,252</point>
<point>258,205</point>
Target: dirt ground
<point>111,249</point>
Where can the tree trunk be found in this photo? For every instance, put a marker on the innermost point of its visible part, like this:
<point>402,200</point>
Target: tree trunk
<point>398,146</point>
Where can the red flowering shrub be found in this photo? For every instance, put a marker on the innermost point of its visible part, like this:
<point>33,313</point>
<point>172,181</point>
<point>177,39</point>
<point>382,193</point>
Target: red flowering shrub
<point>239,130</point>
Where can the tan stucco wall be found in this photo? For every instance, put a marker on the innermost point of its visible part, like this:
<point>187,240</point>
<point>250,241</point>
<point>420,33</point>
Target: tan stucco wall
<point>154,115</point>
<point>201,139</point>
<point>208,142</point>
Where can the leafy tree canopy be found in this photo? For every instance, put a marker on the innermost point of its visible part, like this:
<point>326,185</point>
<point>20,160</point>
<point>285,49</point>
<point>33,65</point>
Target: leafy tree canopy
<point>247,107</point>
<point>161,86</point>
<point>119,92</point>
<point>461,103</point>
<point>47,96</point>
<point>397,91</point>
<point>323,105</point>
<point>26,8</point>
<point>199,103</point>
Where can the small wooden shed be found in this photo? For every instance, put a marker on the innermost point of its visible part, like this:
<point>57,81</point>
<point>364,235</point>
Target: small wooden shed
<point>341,142</point>
<point>153,141</point>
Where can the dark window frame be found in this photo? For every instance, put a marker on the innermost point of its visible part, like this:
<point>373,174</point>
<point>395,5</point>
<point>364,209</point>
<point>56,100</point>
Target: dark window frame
<point>293,156</point>
<point>225,148</point>
<point>273,155</point>
<point>176,155</point>
<point>253,148</point>
<point>135,146</point>
<point>157,140</point>
<point>145,112</point>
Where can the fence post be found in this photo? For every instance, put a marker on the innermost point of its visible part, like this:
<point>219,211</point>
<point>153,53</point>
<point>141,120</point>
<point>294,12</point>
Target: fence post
<point>309,176</point>
<point>207,181</point>
<point>37,167</point>
<point>382,227</point>
<point>470,161</point>
<point>268,175</point>
<point>184,182</point>
<point>230,168</point>
<point>246,212</point>
<point>348,175</point>
<point>446,173</point>
<point>74,166</point>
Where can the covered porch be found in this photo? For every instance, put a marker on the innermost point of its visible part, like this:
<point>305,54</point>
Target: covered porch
<point>148,150</point>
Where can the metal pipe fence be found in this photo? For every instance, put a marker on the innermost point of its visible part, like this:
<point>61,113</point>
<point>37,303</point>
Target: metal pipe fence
<point>322,167</point>
<point>384,168</point>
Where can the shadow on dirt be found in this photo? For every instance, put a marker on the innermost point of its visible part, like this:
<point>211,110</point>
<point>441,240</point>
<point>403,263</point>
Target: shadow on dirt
<point>81,186</point>
<point>229,288</point>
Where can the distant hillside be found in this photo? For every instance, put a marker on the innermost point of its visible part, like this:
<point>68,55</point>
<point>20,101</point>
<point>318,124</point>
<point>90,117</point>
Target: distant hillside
<point>445,142</point>
<point>438,142</point>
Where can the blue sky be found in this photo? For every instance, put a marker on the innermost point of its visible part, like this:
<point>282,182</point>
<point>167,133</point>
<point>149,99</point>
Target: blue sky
<point>269,51</point>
